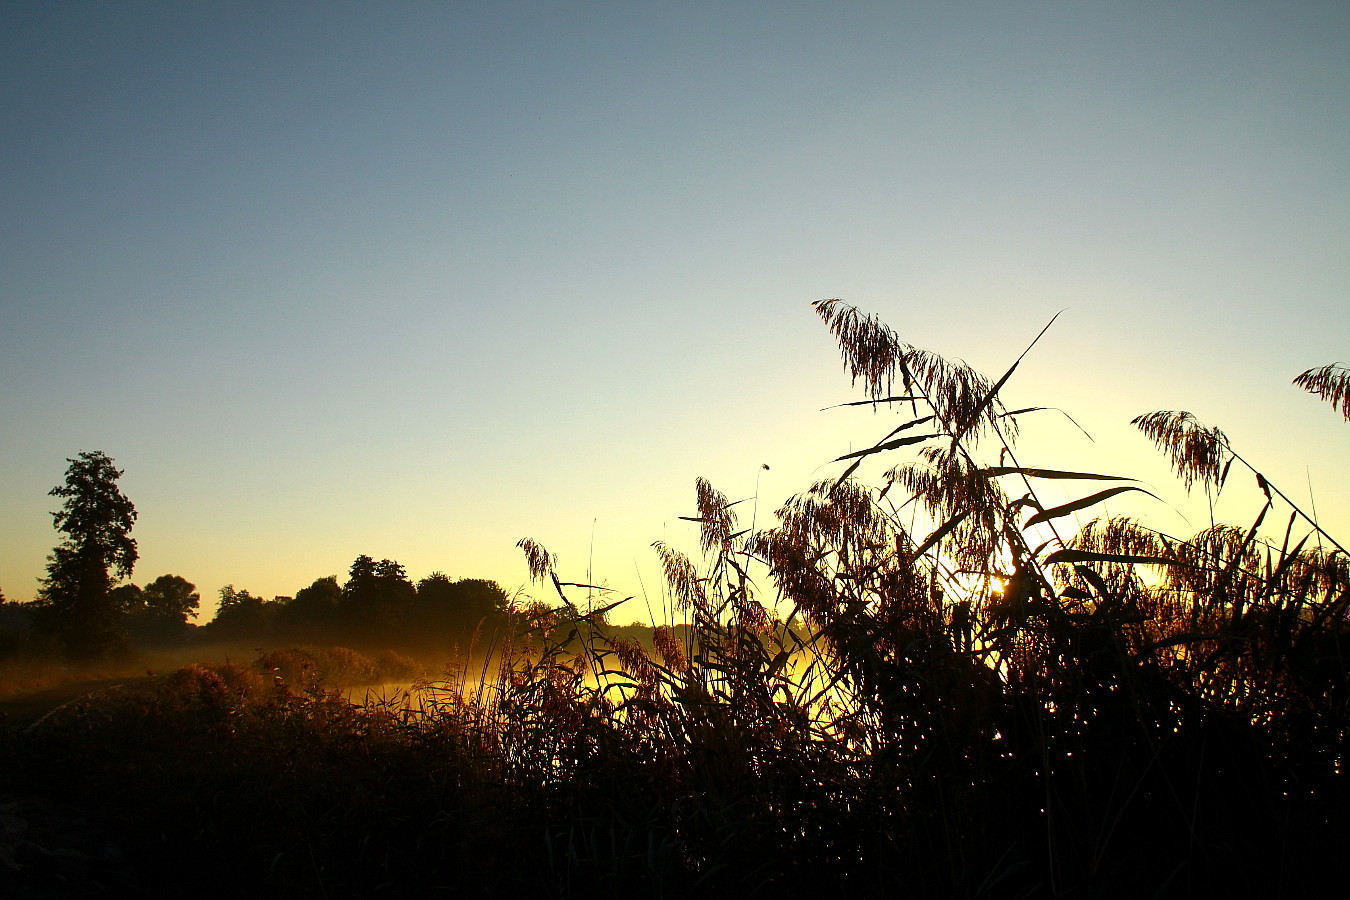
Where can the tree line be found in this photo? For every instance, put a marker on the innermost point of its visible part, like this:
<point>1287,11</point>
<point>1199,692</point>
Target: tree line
<point>377,606</point>
<point>82,612</point>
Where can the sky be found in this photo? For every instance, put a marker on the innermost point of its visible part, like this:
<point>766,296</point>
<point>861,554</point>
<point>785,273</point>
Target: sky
<point>417,280</point>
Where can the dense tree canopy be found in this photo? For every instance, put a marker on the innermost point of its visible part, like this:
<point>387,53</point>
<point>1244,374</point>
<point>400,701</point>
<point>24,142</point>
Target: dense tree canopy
<point>172,598</point>
<point>312,614</point>
<point>458,609</point>
<point>242,614</point>
<point>159,612</point>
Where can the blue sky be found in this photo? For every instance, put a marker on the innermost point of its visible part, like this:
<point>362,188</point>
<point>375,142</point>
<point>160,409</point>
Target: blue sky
<point>417,280</point>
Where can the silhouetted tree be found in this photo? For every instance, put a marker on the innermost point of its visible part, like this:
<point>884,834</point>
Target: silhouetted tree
<point>16,621</point>
<point>160,612</point>
<point>242,615</point>
<point>312,614</point>
<point>437,589</point>
<point>129,599</point>
<point>360,577</point>
<point>393,582</point>
<point>376,599</point>
<point>172,598</point>
<point>96,520</point>
<point>458,609</point>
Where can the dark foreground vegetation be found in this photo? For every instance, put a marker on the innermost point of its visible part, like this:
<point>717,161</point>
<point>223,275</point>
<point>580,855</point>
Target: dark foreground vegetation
<point>929,687</point>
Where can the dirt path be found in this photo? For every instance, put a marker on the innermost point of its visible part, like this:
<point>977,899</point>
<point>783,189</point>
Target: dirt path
<point>26,709</point>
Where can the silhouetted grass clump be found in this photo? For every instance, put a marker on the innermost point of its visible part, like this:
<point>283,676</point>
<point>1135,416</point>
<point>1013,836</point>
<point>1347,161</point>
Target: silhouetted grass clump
<point>930,686</point>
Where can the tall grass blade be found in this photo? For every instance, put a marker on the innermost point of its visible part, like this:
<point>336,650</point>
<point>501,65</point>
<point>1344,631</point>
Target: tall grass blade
<point>996,471</point>
<point>1082,556</point>
<point>900,399</point>
<point>940,533</point>
<point>887,445</point>
<point>1075,505</point>
<point>998,385</point>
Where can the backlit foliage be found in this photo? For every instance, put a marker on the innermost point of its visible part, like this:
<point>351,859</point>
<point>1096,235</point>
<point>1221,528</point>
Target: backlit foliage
<point>1331,383</point>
